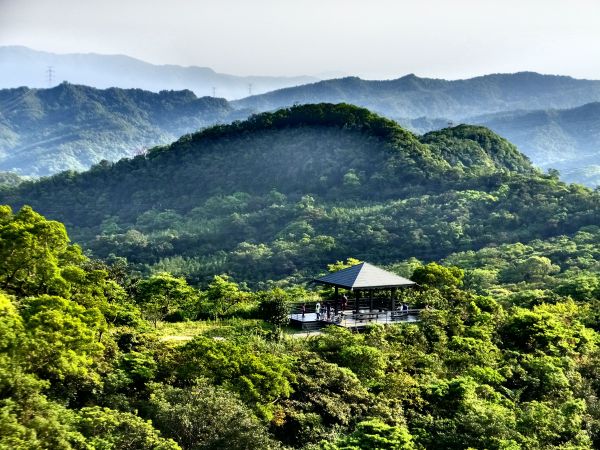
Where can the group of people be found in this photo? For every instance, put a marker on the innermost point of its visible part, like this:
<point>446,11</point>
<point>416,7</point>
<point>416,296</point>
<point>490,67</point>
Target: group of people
<point>329,309</point>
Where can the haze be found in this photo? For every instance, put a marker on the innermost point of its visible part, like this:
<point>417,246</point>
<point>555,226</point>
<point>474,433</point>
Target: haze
<point>372,39</point>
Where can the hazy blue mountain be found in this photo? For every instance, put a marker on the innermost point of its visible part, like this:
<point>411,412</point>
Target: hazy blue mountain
<point>22,66</point>
<point>412,97</point>
<point>566,137</point>
<point>44,131</point>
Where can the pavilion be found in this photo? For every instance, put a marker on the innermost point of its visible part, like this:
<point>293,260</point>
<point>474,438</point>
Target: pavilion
<point>373,299</point>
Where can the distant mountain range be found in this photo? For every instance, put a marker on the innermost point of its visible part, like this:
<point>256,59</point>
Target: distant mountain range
<point>413,97</point>
<point>22,66</point>
<point>71,127</point>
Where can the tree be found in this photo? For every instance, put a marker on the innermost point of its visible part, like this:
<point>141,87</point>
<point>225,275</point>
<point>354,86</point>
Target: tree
<point>163,294</point>
<point>63,339</point>
<point>274,307</point>
<point>339,265</point>
<point>533,269</point>
<point>260,378</point>
<point>375,434</point>
<point>326,396</point>
<point>32,252</point>
<point>105,428</point>
<point>223,294</point>
<point>438,276</point>
<point>203,417</point>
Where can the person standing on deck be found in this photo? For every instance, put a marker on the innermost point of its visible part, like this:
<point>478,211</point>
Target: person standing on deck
<point>318,310</point>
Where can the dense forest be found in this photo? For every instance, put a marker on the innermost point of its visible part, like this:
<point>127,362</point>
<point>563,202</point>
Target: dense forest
<point>72,127</point>
<point>93,356</point>
<point>275,198</point>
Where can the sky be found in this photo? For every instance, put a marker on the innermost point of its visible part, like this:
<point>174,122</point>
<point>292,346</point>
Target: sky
<point>373,39</point>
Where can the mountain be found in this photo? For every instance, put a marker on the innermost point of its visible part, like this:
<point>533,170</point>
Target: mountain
<point>564,139</point>
<point>412,97</point>
<point>71,127</point>
<point>281,194</point>
<point>22,66</point>
<point>554,120</point>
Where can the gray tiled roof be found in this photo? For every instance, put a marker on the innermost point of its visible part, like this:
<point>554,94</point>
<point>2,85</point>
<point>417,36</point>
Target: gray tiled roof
<point>364,276</point>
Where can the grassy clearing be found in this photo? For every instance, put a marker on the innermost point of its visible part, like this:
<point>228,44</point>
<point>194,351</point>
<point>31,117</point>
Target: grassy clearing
<point>186,331</point>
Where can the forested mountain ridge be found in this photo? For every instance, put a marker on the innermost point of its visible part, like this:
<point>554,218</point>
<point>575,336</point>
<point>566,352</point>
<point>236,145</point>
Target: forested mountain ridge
<point>564,139</point>
<point>413,97</point>
<point>277,195</point>
<point>71,127</point>
<point>45,131</point>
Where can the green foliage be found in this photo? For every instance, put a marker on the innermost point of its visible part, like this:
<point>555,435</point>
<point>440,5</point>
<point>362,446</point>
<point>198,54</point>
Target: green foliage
<point>108,429</point>
<point>340,265</point>
<point>37,423</point>
<point>222,295</point>
<point>72,127</point>
<point>375,434</point>
<point>504,355</point>
<point>325,396</point>
<point>162,295</point>
<point>437,276</point>
<point>258,377</point>
<point>274,307</point>
<point>551,329</point>
<point>63,337</point>
<point>207,417</point>
<point>32,249</point>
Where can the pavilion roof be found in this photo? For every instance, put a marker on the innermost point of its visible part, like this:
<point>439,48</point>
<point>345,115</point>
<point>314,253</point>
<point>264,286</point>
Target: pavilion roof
<point>364,276</point>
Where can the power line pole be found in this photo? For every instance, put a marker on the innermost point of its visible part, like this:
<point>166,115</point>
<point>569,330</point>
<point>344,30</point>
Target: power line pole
<point>50,74</point>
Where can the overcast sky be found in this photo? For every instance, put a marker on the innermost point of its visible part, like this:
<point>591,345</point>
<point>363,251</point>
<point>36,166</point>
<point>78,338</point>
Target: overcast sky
<point>369,38</point>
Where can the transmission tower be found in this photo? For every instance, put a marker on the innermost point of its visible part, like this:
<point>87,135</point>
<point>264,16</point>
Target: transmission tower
<point>249,88</point>
<point>214,89</point>
<point>50,74</point>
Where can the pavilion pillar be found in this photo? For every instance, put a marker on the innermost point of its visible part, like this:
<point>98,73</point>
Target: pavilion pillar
<point>393,299</point>
<point>356,301</point>
<point>370,300</point>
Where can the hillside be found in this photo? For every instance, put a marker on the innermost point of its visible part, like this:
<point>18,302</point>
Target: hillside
<point>22,66</point>
<point>413,97</point>
<point>565,139</point>
<point>282,193</point>
<point>71,127</point>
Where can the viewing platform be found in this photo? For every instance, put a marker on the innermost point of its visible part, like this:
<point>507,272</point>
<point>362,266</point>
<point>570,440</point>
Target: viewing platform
<point>356,321</point>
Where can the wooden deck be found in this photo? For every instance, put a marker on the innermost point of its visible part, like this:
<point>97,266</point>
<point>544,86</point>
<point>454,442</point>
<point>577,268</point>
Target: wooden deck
<point>356,321</point>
